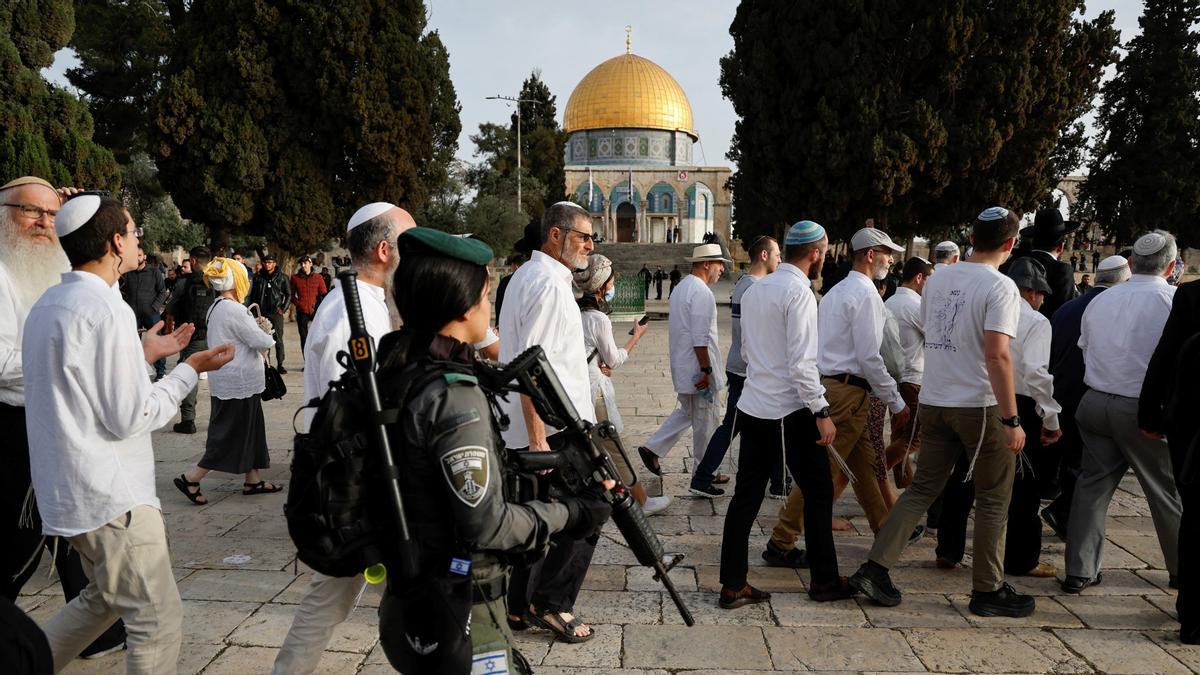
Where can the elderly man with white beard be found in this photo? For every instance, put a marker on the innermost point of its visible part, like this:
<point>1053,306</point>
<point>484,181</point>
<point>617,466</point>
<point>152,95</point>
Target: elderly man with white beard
<point>30,262</point>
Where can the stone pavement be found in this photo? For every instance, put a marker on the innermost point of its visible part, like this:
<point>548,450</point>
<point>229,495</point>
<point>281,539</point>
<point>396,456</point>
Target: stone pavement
<point>237,574</point>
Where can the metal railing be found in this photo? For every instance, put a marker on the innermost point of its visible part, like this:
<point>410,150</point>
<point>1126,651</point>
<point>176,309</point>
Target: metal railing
<point>630,300</point>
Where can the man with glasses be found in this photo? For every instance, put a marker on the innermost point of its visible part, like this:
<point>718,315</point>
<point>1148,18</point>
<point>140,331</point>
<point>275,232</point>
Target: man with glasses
<point>850,321</point>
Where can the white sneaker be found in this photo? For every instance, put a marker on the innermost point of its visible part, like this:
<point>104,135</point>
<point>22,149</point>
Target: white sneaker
<point>655,505</point>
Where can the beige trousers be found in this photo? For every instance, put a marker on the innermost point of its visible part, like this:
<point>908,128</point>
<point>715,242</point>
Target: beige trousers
<point>327,603</point>
<point>129,567</point>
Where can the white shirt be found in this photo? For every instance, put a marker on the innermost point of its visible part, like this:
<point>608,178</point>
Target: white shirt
<point>958,305</point>
<point>91,407</point>
<point>1031,364</point>
<point>905,305</point>
<point>779,342</point>
<point>542,311</point>
<point>12,326</point>
<point>693,323</point>
<point>851,322</point>
<point>329,334</point>
<point>1120,330</point>
<point>242,377</point>
<point>598,335</point>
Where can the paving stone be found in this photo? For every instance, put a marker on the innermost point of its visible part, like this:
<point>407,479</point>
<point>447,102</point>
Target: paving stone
<point>770,579</point>
<point>47,609</point>
<point>720,647</point>
<point>1188,655</point>
<point>1120,652</point>
<point>689,506</point>
<point>929,579</point>
<point>620,607</point>
<point>241,660</point>
<point>605,578</point>
<point>714,525</point>
<point>1144,546</point>
<point>797,609</point>
<point>234,585</point>
<point>1120,582</point>
<point>233,553</point>
<point>191,523</point>
<point>602,651</point>
<point>194,657</point>
<point>642,579</point>
<point>1111,612</point>
<point>1166,603</point>
<point>917,611</point>
<point>707,612</point>
<point>533,645</point>
<point>669,525</point>
<point>841,649</point>
<point>212,621</point>
<point>1159,578</point>
<point>553,670</point>
<point>269,626</point>
<point>609,552</point>
<point>1048,614</point>
<point>698,548</point>
<point>977,650</point>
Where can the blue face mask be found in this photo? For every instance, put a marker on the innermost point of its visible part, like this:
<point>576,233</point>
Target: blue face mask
<point>610,294</point>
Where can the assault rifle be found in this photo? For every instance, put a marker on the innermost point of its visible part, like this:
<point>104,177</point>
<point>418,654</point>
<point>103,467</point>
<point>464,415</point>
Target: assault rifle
<point>583,463</point>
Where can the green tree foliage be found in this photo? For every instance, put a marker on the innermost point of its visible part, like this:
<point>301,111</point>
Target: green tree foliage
<point>44,131</point>
<point>496,221</point>
<point>1145,168</point>
<point>915,114</point>
<point>282,119</point>
<point>151,208</point>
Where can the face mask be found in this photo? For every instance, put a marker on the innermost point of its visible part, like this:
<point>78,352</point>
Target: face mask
<point>610,294</point>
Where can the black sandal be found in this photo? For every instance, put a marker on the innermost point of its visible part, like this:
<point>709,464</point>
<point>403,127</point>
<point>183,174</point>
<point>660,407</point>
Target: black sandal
<point>650,460</point>
<point>260,488</point>
<point>517,623</point>
<point>564,630</point>
<point>183,484</point>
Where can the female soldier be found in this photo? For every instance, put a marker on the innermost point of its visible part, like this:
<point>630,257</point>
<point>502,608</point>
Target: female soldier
<point>452,470</point>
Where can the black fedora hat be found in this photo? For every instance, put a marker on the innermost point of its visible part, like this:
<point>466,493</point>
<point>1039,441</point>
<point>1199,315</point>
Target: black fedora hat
<point>530,241</point>
<point>1049,226</point>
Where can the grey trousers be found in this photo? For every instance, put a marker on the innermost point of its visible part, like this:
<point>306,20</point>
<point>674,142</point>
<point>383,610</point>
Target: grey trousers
<point>187,407</point>
<point>1112,444</point>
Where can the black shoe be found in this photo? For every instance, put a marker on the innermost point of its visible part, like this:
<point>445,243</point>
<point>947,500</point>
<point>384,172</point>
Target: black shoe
<point>185,427</point>
<point>1055,522</point>
<point>747,595</point>
<point>1005,601</point>
<point>282,370</point>
<point>917,533</point>
<point>708,491</point>
<point>97,650</point>
<point>1173,582</point>
<point>777,557</point>
<point>650,460</point>
<point>1077,584</point>
<point>873,581</point>
<point>836,590</point>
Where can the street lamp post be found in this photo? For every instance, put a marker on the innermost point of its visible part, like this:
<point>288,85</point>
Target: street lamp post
<point>518,102</point>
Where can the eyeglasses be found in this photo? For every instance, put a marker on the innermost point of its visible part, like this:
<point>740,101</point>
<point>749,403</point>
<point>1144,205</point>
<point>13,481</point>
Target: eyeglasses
<point>137,232</point>
<point>34,212</point>
<point>595,238</point>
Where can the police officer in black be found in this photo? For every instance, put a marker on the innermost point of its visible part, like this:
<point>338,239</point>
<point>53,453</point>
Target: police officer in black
<point>190,300</point>
<point>272,291</point>
<point>452,471</point>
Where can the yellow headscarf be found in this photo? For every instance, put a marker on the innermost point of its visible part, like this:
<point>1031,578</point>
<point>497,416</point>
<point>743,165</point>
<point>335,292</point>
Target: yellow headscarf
<point>223,274</point>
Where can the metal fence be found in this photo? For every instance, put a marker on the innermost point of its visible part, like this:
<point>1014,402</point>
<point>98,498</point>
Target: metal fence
<point>630,300</point>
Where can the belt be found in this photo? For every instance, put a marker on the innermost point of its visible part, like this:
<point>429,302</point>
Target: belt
<point>491,589</point>
<point>852,380</point>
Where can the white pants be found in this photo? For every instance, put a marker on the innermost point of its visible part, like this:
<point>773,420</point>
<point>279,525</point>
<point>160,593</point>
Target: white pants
<point>129,569</point>
<point>695,413</point>
<point>328,603</point>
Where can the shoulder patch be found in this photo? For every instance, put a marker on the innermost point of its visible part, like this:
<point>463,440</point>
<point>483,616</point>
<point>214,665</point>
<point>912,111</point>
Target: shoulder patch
<point>467,471</point>
<point>451,378</point>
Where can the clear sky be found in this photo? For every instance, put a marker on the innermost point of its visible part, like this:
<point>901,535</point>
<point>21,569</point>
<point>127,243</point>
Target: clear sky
<point>495,45</point>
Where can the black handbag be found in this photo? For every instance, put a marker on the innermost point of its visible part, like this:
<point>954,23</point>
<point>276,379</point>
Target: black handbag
<point>275,386</point>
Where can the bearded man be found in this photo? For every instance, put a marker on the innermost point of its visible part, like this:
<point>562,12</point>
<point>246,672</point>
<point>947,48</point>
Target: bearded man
<point>31,261</point>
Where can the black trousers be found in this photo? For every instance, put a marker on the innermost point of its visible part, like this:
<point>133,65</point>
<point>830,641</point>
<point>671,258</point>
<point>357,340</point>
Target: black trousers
<point>1023,541</point>
<point>1070,449</point>
<point>23,547</point>
<point>762,443</point>
<point>302,321</point>
<point>24,649</point>
<point>277,321</point>
<point>1187,604</point>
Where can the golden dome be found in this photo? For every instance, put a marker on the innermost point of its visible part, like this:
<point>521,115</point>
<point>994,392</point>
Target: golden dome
<point>628,92</point>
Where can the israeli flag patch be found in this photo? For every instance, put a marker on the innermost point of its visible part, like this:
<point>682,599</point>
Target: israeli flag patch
<point>460,567</point>
<point>490,663</point>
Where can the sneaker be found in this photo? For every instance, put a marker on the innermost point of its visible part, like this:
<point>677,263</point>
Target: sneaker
<point>836,590</point>
<point>746,595</point>
<point>185,427</point>
<point>655,505</point>
<point>873,581</point>
<point>777,557</point>
<point>1077,584</point>
<point>917,534</point>
<point>706,491</point>
<point>101,651</point>
<point>1005,601</point>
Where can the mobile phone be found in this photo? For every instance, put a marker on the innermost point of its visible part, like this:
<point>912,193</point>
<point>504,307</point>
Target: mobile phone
<point>641,322</point>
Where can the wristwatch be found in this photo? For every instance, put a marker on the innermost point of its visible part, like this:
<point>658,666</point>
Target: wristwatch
<point>706,370</point>
<point>823,413</point>
<point>1014,421</point>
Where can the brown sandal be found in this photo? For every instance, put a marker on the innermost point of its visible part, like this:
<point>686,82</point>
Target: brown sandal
<point>260,488</point>
<point>184,484</point>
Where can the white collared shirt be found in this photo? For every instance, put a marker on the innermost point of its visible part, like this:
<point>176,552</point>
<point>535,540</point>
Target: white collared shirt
<point>231,322</point>
<point>329,334</point>
<point>91,407</point>
<point>12,325</point>
<point>905,305</point>
<point>693,323</point>
<point>850,333</point>
<point>779,342</point>
<point>1119,332</point>
<point>1031,364</point>
<point>542,311</point>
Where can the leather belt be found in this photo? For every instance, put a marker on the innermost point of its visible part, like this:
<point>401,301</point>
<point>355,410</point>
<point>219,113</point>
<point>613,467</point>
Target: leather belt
<point>491,589</point>
<point>852,380</point>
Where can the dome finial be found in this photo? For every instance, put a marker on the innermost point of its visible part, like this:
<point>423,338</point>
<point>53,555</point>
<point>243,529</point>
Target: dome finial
<point>628,42</point>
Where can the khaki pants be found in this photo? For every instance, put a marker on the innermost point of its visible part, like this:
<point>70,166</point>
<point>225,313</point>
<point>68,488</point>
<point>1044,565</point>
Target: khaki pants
<point>947,433</point>
<point>848,408</point>
<point>130,571</point>
<point>327,603</point>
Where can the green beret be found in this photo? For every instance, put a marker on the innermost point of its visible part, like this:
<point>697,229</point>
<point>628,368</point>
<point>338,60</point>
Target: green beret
<point>435,241</point>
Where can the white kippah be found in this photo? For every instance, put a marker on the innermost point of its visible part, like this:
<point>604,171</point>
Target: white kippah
<point>75,213</point>
<point>368,212</point>
<point>1112,262</point>
<point>1149,244</point>
<point>993,213</point>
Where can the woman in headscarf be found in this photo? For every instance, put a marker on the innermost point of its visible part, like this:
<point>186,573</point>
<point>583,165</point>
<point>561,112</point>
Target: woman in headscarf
<point>237,437</point>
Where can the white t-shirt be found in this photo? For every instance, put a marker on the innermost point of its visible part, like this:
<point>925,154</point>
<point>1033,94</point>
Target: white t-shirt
<point>960,302</point>
<point>693,323</point>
